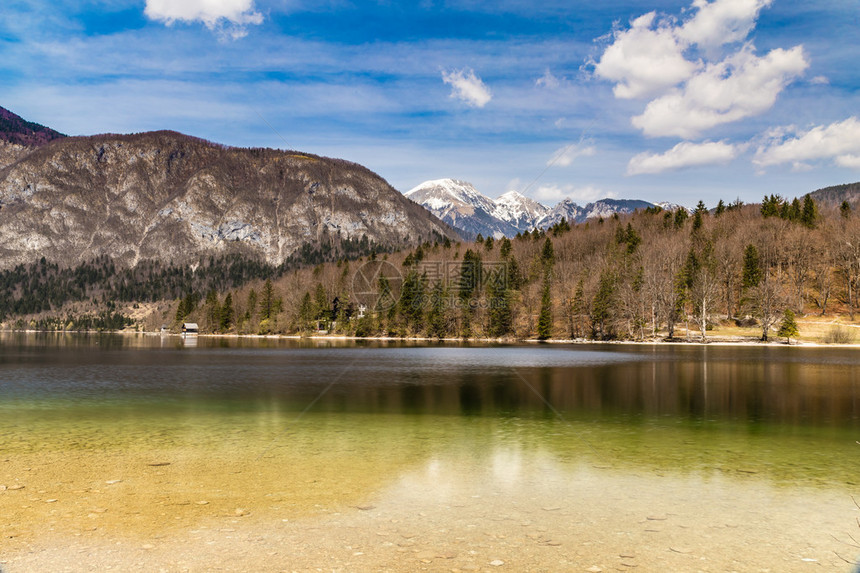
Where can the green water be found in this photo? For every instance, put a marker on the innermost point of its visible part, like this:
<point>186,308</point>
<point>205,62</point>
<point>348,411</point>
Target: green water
<point>787,416</point>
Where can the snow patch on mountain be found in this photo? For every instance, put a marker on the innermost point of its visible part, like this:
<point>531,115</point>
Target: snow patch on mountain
<point>666,206</point>
<point>520,211</point>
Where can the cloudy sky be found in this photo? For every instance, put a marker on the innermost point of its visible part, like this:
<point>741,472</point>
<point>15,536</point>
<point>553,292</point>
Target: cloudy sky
<point>662,100</point>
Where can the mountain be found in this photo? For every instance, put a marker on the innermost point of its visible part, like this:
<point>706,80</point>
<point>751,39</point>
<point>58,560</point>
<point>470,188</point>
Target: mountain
<point>18,137</point>
<point>522,212</point>
<point>666,206</point>
<point>460,205</point>
<point>17,130</point>
<point>836,194</point>
<point>564,209</point>
<point>171,197</point>
<point>607,207</point>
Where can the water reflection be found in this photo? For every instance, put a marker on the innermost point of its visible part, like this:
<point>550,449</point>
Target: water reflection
<point>818,387</point>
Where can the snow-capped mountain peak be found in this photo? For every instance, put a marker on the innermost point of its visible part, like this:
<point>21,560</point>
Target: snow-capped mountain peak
<point>520,211</point>
<point>461,205</point>
<point>445,194</point>
<point>666,206</point>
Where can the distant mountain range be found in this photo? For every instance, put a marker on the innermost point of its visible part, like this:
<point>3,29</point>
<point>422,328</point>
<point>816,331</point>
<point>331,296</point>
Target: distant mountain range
<point>462,206</point>
<point>168,196</point>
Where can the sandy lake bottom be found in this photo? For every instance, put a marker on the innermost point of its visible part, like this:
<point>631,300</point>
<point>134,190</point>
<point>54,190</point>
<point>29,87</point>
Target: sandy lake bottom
<point>394,493</point>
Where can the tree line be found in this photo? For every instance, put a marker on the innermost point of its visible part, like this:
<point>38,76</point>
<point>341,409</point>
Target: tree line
<point>643,276</point>
<point>636,277</point>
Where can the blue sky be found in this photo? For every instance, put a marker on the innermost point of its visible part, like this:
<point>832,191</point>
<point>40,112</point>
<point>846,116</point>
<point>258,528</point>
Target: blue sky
<point>658,100</point>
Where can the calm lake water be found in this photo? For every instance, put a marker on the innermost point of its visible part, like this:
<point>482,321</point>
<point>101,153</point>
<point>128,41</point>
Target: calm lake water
<point>338,423</point>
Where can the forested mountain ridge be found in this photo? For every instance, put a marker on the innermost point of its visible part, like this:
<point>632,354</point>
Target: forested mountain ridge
<point>18,137</point>
<point>837,194</point>
<point>173,198</point>
<point>17,130</point>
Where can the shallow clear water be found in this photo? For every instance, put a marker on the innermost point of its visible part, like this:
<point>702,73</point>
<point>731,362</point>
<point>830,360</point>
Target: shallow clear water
<point>793,414</point>
<point>314,425</point>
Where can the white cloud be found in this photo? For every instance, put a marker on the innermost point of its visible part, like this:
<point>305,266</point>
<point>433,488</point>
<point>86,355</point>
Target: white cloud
<point>552,193</point>
<point>468,87</point>
<point>644,59</point>
<point>566,155</point>
<point>742,85</point>
<point>685,154</point>
<point>838,141</point>
<point>547,80</point>
<point>693,89</point>
<point>848,160</point>
<point>721,22</point>
<point>213,13</point>
<point>820,81</point>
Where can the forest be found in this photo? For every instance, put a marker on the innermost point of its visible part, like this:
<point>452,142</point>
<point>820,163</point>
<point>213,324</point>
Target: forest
<point>652,275</point>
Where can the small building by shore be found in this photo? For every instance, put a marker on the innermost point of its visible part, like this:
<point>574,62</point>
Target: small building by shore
<point>190,328</point>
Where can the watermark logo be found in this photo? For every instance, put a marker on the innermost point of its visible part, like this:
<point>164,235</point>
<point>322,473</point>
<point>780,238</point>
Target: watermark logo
<point>377,285</point>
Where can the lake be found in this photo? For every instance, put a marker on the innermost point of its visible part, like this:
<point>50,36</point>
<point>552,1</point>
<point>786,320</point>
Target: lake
<point>158,453</point>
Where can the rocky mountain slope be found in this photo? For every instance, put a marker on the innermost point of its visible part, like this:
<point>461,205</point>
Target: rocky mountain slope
<point>522,212</point>
<point>171,197</point>
<point>462,206</point>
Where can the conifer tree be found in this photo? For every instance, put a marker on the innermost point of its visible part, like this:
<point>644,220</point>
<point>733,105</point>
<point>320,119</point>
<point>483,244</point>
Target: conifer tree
<point>252,304</point>
<point>578,310</point>
<point>752,267</point>
<point>270,303</point>
<point>213,311</point>
<point>809,214</point>
<point>505,247</point>
<point>602,305</point>
<point>794,211</point>
<point>771,206</point>
<point>500,312</point>
<point>544,327</point>
<point>468,284</point>
<point>788,328</point>
<point>306,312</point>
<point>697,220</point>
<point>437,315</point>
<point>547,255</point>
<point>321,303</point>
<point>227,313</point>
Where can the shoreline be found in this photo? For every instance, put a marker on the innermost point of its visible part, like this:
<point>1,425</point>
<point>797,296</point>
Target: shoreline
<point>715,341</point>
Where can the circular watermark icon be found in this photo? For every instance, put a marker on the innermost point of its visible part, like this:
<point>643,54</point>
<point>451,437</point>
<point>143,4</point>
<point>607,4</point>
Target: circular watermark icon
<point>377,285</point>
